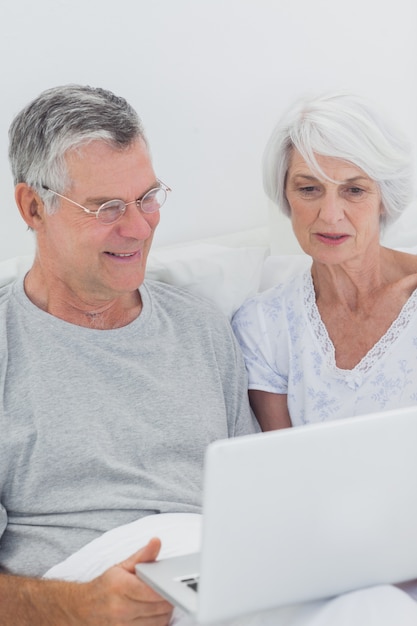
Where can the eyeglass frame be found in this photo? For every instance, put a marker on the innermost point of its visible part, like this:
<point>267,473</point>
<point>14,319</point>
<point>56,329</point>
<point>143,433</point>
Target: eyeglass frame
<point>138,202</point>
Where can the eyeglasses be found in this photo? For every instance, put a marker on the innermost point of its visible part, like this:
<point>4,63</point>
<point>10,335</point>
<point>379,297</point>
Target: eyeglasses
<point>111,211</point>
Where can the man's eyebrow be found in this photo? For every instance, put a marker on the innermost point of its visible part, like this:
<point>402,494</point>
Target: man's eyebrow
<point>99,200</point>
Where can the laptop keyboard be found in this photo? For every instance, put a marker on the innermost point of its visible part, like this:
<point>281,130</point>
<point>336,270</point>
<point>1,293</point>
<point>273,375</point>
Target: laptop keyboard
<point>192,582</point>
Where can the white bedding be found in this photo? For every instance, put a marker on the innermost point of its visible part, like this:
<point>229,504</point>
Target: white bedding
<point>180,533</point>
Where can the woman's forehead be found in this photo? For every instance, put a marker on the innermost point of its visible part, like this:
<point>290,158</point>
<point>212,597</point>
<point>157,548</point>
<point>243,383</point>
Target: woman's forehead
<point>328,167</point>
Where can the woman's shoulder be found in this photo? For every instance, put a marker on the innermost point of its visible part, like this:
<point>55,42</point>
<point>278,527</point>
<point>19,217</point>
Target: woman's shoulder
<point>404,259</point>
<point>288,288</point>
<point>401,268</point>
<point>274,301</point>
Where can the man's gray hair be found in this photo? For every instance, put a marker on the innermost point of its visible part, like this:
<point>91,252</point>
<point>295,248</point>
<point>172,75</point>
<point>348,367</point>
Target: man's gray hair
<point>62,119</point>
<point>343,126</point>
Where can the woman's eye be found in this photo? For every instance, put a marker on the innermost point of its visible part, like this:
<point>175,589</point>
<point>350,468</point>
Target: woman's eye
<point>355,192</point>
<point>309,190</point>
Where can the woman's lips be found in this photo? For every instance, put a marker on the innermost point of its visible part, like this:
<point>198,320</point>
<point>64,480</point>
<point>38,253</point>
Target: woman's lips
<point>332,239</point>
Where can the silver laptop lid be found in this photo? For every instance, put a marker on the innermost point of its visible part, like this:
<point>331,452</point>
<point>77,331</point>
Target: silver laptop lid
<point>309,512</point>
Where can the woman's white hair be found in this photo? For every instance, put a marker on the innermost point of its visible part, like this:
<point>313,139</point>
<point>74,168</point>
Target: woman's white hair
<point>343,126</point>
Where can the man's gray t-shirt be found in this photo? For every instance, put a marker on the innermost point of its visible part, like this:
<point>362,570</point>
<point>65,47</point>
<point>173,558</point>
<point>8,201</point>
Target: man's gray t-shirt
<point>101,427</point>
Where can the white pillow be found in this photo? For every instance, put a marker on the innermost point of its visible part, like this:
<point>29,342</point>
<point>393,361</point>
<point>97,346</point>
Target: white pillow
<point>224,275</point>
<point>278,268</point>
<point>403,232</point>
<point>12,268</point>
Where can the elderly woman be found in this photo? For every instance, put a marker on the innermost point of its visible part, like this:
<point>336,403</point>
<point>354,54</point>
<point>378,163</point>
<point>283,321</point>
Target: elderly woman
<point>340,339</point>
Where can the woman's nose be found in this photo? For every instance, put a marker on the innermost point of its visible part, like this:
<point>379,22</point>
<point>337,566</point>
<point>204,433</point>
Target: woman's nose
<point>331,208</point>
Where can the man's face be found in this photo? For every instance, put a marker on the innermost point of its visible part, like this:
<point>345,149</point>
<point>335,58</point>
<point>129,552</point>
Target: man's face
<point>92,261</point>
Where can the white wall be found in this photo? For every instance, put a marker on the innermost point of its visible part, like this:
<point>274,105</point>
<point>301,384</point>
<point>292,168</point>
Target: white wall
<point>209,78</point>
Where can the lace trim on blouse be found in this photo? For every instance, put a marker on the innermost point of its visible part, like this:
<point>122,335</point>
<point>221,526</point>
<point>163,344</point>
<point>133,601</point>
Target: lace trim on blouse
<point>356,374</point>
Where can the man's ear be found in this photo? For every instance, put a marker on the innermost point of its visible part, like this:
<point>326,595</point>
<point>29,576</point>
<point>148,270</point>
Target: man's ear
<point>30,205</point>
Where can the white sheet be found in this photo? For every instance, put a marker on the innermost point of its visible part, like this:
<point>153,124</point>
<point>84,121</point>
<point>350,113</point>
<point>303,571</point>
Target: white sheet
<point>180,533</point>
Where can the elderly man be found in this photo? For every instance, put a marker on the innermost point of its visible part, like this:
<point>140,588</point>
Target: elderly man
<point>112,386</point>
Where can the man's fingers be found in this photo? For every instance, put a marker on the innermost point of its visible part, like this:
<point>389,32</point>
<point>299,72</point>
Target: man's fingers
<point>145,554</point>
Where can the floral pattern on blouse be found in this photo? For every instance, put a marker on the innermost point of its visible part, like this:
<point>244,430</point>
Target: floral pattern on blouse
<point>288,351</point>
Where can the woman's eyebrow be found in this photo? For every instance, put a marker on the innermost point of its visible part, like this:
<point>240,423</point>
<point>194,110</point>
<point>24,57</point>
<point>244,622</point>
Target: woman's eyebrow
<point>356,178</point>
<point>311,177</point>
<point>304,176</point>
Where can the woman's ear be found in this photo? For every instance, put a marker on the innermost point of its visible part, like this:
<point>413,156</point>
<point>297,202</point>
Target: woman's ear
<point>30,205</point>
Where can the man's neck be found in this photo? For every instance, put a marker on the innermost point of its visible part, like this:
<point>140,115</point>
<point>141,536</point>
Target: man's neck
<point>82,310</point>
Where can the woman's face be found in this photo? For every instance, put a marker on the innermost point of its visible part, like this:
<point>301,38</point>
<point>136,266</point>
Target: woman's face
<point>334,222</point>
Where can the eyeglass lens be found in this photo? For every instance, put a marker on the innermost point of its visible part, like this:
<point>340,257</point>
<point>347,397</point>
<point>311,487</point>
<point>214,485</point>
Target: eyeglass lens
<point>151,202</point>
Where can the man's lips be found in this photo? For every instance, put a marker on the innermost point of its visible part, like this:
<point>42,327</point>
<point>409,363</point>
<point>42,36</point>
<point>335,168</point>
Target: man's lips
<point>123,255</point>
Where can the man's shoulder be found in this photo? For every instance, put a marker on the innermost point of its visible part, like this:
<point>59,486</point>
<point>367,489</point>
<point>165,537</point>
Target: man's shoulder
<point>5,294</point>
<point>181,299</point>
<point>6,315</point>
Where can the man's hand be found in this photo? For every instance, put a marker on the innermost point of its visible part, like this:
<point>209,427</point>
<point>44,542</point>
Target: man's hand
<point>119,597</point>
<point>116,598</point>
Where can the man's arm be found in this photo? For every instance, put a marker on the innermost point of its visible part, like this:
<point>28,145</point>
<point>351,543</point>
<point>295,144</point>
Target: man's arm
<point>116,597</point>
<point>271,409</point>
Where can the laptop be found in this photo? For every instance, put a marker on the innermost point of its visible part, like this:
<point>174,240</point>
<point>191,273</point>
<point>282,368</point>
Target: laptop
<point>300,514</point>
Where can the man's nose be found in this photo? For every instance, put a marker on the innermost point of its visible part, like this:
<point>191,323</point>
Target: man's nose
<point>136,223</point>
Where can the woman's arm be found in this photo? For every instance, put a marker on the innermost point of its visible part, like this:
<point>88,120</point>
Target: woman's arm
<point>270,409</point>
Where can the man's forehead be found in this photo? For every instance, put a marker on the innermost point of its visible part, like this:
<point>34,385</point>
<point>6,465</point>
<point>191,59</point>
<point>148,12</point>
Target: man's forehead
<point>97,149</point>
<point>99,169</point>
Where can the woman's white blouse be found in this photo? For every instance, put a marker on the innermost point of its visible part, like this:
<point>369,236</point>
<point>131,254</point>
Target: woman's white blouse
<point>288,351</point>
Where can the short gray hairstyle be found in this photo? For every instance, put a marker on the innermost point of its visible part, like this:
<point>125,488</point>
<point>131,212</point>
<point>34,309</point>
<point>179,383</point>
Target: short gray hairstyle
<point>343,126</point>
<point>62,119</point>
